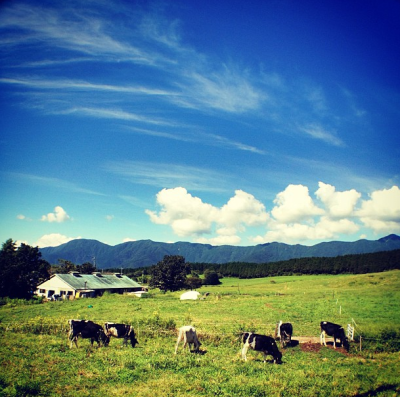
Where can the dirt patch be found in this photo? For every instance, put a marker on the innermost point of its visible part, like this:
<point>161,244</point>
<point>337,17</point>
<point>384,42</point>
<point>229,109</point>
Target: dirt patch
<point>310,347</point>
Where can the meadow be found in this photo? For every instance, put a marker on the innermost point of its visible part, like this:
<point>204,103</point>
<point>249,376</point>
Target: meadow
<point>36,359</point>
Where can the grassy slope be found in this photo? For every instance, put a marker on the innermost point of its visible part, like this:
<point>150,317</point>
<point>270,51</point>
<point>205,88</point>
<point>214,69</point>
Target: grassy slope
<point>37,357</point>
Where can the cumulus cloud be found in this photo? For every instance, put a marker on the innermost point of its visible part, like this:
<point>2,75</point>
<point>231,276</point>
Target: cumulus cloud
<point>127,239</point>
<point>243,208</point>
<point>109,217</point>
<point>338,204</point>
<point>190,216</point>
<point>294,204</point>
<point>295,218</point>
<point>53,240</point>
<point>381,212</point>
<point>59,215</point>
<point>21,217</point>
<point>293,233</point>
<point>187,215</point>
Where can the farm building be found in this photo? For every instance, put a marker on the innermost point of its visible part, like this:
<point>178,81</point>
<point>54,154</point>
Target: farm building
<point>74,285</point>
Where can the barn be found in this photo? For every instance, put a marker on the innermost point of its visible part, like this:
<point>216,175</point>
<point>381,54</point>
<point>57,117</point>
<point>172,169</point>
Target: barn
<point>75,285</point>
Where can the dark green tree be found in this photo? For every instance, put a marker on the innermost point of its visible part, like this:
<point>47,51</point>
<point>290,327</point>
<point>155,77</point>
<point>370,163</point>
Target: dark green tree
<point>211,278</point>
<point>86,268</point>
<point>21,270</point>
<point>169,274</point>
<point>65,266</point>
<point>194,281</point>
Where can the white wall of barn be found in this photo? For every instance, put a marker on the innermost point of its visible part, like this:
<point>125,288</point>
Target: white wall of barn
<point>55,286</point>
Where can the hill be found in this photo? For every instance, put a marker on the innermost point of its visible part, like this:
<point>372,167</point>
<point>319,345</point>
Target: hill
<point>142,253</point>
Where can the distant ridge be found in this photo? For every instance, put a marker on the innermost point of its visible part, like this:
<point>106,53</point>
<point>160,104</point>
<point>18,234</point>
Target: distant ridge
<point>142,253</point>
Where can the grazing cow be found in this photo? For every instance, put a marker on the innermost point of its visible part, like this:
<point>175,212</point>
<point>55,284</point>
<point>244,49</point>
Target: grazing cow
<point>261,343</point>
<point>284,332</point>
<point>336,331</point>
<point>189,336</point>
<point>86,329</point>
<point>121,331</point>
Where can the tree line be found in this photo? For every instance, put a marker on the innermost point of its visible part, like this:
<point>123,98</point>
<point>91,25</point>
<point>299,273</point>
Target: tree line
<point>353,264</point>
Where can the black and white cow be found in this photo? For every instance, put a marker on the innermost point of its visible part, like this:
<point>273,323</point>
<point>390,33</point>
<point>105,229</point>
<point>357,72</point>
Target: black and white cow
<point>86,329</point>
<point>261,343</point>
<point>284,332</point>
<point>188,334</point>
<point>336,331</point>
<point>121,331</point>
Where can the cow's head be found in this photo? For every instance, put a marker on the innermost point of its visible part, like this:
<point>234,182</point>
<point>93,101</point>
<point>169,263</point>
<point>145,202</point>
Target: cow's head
<point>278,358</point>
<point>104,338</point>
<point>346,344</point>
<point>134,341</point>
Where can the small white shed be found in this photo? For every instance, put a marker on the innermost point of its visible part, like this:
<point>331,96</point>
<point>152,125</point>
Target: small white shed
<point>190,295</point>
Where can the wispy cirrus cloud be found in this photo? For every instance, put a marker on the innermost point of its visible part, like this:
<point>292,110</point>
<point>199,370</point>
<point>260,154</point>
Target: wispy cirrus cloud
<point>318,132</point>
<point>169,175</point>
<point>39,83</point>
<point>190,79</point>
<point>199,137</point>
<point>118,114</point>
<point>53,182</point>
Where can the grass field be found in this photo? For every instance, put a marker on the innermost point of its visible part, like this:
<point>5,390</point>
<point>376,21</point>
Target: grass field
<point>36,359</point>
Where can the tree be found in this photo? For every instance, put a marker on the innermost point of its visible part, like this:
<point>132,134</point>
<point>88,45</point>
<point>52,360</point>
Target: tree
<point>21,270</point>
<point>66,266</point>
<point>194,281</point>
<point>211,278</point>
<point>86,268</point>
<point>169,274</point>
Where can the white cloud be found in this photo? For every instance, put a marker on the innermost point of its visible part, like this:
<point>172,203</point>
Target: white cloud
<point>187,215</point>
<point>127,239</point>
<point>225,90</point>
<point>59,215</point>
<point>318,132</point>
<point>21,217</point>
<point>338,204</point>
<point>294,204</point>
<point>381,212</point>
<point>302,232</point>
<point>220,240</point>
<point>190,216</point>
<point>109,217</point>
<point>243,208</point>
<point>53,240</point>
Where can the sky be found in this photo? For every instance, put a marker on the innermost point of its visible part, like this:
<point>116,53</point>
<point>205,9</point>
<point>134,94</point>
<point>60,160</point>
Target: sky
<point>217,122</point>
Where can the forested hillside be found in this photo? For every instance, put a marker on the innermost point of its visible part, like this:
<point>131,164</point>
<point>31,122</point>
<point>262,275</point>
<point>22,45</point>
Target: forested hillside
<point>356,264</point>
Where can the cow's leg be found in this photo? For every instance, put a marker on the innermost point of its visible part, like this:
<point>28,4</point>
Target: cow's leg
<point>244,352</point>
<point>322,338</point>
<point>185,342</point>
<point>177,343</point>
<point>265,356</point>
<point>125,341</point>
<point>334,342</point>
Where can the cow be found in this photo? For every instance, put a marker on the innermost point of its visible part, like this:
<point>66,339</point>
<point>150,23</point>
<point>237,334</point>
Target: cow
<point>188,334</point>
<point>260,343</point>
<point>284,332</point>
<point>336,331</point>
<point>121,331</point>
<point>86,329</point>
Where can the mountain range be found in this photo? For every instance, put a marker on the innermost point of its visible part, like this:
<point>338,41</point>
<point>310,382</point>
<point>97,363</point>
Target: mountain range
<point>143,253</point>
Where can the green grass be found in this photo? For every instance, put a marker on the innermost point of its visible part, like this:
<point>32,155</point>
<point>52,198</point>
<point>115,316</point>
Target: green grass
<point>36,359</point>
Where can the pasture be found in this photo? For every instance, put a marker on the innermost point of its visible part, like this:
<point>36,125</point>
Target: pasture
<point>35,357</point>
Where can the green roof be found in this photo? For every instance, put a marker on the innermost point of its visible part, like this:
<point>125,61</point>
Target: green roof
<point>100,281</point>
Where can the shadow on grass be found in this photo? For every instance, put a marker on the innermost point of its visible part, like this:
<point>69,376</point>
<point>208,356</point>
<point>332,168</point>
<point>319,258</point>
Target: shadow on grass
<point>380,389</point>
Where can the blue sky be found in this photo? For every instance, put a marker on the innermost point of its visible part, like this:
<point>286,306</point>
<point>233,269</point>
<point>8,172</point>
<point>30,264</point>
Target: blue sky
<point>224,122</point>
